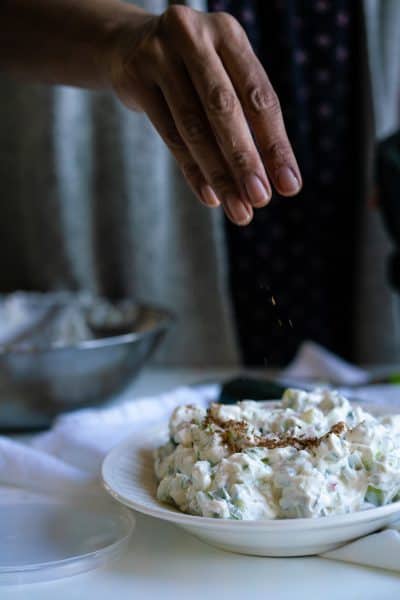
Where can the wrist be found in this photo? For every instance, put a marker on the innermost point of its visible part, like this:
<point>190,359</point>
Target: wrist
<point>119,32</point>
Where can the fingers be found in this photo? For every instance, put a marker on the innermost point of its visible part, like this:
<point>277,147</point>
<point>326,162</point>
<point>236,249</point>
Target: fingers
<point>261,107</point>
<point>222,109</point>
<point>159,114</point>
<point>231,131</point>
<point>197,135</point>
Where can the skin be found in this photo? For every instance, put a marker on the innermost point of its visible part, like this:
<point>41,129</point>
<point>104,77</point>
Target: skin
<point>194,75</point>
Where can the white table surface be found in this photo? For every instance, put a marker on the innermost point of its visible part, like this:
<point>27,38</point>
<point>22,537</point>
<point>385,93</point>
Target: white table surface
<point>165,562</point>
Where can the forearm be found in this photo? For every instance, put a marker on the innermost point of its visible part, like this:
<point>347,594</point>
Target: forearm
<point>61,41</point>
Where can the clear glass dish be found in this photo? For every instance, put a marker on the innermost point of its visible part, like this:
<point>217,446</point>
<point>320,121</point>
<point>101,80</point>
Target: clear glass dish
<point>42,539</point>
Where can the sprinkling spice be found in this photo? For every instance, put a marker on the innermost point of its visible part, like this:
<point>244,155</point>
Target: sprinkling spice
<point>235,435</point>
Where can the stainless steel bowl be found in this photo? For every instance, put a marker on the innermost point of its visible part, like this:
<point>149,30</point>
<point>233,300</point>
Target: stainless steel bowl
<point>38,384</point>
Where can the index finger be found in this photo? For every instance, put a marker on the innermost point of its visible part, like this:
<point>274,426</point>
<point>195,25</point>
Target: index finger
<point>262,109</point>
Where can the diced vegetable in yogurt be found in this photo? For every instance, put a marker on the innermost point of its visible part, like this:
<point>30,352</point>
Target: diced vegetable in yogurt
<point>312,455</point>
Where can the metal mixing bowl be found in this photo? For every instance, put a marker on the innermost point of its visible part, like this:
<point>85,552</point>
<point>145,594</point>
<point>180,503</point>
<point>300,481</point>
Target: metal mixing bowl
<point>38,384</point>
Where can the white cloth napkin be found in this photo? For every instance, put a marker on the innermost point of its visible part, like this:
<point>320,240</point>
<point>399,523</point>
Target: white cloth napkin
<point>313,362</point>
<point>381,550</point>
<point>66,460</point>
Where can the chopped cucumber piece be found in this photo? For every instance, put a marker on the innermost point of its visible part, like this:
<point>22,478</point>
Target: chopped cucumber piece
<point>374,495</point>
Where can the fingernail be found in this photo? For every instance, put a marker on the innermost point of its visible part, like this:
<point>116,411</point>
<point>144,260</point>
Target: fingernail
<point>209,196</point>
<point>287,181</point>
<point>238,212</point>
<point>256,191</point>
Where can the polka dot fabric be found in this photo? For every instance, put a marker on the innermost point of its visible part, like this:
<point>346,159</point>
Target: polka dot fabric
<point>291,269</point>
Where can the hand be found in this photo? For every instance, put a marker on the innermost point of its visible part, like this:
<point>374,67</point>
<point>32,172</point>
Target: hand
<point>196,77</point>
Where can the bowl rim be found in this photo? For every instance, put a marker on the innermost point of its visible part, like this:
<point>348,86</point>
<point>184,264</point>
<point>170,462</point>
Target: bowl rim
<point>166,319</point>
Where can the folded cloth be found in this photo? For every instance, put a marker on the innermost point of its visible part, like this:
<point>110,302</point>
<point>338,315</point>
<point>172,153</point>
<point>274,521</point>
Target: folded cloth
<point>313,362</point>
<point>380,550</point>
<point>33,319</point>
<point>39,320</point>
<point>65,462</point>
<point>67,459</point>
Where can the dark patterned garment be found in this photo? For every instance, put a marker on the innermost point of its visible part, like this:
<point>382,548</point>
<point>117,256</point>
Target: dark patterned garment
<point>291,269</point>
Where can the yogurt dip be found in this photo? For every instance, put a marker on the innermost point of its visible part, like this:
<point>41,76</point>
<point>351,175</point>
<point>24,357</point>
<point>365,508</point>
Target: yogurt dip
<point>310,455</point>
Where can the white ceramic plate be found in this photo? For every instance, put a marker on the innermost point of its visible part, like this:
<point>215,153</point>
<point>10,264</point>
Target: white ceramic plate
<point>128,475</point>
